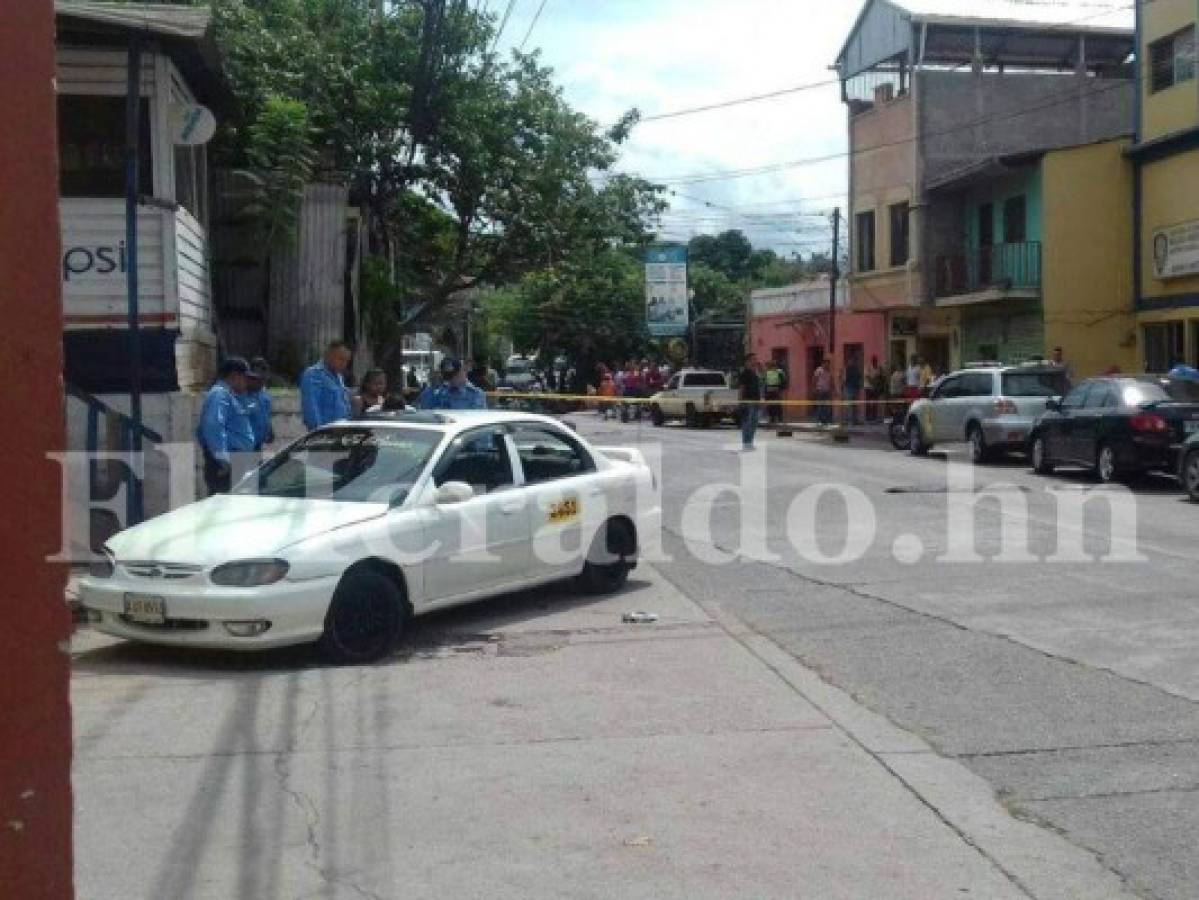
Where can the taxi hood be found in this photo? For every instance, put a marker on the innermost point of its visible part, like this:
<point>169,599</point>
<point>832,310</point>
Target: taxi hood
<point>229,527</point>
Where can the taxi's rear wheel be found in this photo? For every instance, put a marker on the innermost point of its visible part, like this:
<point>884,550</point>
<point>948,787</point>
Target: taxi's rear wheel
<point>365,618</point>
<point>612,556</point>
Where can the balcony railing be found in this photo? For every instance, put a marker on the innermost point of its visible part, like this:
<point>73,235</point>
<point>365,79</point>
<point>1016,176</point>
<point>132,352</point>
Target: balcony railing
<point>1002,267</point>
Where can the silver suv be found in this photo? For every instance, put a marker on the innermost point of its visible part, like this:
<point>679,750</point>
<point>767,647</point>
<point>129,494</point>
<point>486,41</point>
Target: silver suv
<point>992,406</point>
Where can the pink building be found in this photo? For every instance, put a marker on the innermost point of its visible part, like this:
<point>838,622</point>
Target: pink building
<point>791,325</point>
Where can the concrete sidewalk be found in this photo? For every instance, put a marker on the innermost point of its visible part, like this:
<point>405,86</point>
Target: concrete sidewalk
<point>529,747</point>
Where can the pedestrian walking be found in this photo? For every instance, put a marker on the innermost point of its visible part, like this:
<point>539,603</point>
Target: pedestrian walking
<point>323,395</point>
<point>372,395</point>
<point>224,428</point>
<point>822,393</point>
<point>851,389</point>
<point>875,388</point>
<point>257,403</point>
<point>455,392</point>
<point>750,383</point>
<point>776,383</point>
<point>632,391</point>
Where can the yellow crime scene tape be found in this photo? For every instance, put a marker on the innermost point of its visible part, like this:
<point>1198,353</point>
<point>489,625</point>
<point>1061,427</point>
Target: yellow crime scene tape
<point>633,401</point>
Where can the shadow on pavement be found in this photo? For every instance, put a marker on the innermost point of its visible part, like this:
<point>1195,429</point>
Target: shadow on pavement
<point>469,624</point>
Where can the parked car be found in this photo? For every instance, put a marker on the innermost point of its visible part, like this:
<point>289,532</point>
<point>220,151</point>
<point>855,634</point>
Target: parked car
<point>990,405</point>
<point>354,528</point>
<point>1118,425</point>
<point>1188,467</point>
<point>700,397</point>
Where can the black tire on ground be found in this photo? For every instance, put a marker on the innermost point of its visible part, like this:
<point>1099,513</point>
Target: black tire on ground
<point>1106,469</point>
<point>916,445</point>
<point>365,618</point>
<point>1190,475</point>
<point>612,556</point>
<point>979,451</point>
<point>655,416</point>
<point>691,416</point>
<point>1042,464</point>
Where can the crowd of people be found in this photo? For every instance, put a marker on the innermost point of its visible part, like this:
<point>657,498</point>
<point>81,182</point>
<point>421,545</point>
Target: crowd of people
<point>633,381</point>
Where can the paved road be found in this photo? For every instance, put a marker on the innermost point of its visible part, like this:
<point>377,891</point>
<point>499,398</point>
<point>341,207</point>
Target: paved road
<point>1072,687</point>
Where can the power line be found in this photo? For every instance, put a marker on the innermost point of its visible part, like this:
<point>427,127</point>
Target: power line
<point>533,24</point>
<point>503,24</point>
<point>725,104</point>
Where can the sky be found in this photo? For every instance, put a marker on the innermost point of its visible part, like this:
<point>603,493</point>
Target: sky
<point>665,55</point>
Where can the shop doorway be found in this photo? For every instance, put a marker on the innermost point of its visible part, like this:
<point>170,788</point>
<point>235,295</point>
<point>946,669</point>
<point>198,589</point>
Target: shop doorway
<point>934,350</point>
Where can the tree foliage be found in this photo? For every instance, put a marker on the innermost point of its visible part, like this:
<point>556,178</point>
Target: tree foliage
<point>470,168</point>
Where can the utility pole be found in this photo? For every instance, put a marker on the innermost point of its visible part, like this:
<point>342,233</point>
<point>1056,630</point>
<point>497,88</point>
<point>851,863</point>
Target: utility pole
<point>834,275</point>
<point>134,510</point>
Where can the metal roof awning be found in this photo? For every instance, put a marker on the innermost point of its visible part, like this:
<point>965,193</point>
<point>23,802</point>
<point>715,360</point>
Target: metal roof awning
<point>1012,33</point>
<point>184,33</point>
<point>186,22</point>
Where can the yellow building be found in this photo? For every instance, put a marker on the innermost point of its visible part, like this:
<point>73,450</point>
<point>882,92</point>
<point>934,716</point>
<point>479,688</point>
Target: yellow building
<point>1086,267</point>
<point>1166,186</point>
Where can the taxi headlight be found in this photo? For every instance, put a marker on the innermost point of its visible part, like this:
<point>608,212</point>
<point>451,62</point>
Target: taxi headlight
<point>102,566</point>
<point>249,572</point>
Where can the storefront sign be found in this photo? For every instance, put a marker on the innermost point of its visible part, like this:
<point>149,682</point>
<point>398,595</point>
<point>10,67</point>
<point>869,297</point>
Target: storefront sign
<point>904,326</point>
<point>666,300</point>
<point>1176,250</point>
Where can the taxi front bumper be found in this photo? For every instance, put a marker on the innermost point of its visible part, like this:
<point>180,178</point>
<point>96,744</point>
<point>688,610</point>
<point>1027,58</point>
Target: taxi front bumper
<point>197,613</point>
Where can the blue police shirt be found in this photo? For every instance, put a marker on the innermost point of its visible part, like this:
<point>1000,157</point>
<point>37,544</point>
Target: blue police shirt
<point>323,397</point>
<point>257,405</point>
<point>449,397</point>
<point>224,427</point>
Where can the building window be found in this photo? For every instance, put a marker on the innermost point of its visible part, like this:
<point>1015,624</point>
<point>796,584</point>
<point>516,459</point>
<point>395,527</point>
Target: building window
<point>864,235</point>
<point>1015,214</point>
<point>900,236</point>
<point>91,146</point>
<point>191,176</point>
<point>1163,346</point>
<point>1172,59</point>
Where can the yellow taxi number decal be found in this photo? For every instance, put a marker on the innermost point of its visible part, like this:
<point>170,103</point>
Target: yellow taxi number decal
<point>564,510</point>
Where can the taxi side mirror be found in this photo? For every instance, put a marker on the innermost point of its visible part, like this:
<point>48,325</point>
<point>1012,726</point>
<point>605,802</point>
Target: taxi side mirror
<point>1053,404</point>
<point>453,492</point>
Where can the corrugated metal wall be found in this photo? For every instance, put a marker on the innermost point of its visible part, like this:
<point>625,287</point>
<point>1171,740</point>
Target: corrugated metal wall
<point>308,281</point>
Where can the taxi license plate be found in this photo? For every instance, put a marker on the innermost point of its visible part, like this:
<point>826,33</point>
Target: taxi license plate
<point>1191,426</point>
<point>145,609</point>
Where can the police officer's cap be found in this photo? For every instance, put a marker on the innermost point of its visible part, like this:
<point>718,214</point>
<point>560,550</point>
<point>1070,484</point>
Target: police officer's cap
<point>233,365</point>
<point>451,366</point>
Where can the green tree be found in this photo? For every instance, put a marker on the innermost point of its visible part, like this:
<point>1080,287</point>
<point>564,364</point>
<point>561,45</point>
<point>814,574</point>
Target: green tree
<point>470,168</point>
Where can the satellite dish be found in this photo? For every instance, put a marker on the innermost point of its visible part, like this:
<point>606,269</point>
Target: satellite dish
<point>191,124</point>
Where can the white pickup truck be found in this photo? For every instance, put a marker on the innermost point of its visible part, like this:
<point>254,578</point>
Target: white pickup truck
<point>700,397</point>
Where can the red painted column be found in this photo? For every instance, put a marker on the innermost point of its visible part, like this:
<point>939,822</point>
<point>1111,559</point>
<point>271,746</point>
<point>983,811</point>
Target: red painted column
<point>35,725</point>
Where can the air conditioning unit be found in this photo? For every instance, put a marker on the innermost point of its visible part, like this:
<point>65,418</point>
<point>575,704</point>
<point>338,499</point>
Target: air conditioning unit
<point>884,93</point>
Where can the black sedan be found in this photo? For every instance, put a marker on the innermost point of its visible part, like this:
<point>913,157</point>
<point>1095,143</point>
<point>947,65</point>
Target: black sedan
<point>1117,425</point>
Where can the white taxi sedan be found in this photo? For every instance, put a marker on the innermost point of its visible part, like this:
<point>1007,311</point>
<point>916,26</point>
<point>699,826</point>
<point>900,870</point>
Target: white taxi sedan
<point>354,528</point>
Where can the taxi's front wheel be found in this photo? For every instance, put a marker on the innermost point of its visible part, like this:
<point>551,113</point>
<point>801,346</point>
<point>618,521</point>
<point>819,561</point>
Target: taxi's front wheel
<point>365,618</point>
<point>612,555</point>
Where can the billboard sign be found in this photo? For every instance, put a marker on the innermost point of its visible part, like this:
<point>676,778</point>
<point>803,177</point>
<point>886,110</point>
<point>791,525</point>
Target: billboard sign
<point>666,300</point>
<point>1176,250</point>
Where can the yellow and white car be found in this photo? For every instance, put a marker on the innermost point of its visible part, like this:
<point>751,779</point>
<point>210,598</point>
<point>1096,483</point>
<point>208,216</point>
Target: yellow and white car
<point>354,528</point>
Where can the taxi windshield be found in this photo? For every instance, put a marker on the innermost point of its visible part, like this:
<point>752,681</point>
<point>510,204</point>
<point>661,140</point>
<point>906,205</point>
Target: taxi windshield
<point>354,465</point>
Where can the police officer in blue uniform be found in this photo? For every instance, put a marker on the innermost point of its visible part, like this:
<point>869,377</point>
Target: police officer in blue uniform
<point>454,392</point>
<point>257,403</point>
<point>323,395</point>
<point>224,427</point>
